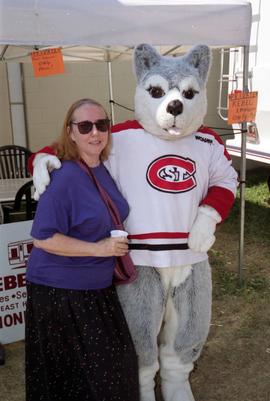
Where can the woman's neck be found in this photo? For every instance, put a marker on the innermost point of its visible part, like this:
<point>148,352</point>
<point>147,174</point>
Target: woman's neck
<point>91,162</point>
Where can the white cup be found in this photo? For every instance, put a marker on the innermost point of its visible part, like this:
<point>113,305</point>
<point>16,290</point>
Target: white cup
<point>119,233</point>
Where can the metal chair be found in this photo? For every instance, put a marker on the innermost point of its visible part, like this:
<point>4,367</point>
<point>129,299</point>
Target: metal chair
<point>13,161</point>
<point>21,210</point>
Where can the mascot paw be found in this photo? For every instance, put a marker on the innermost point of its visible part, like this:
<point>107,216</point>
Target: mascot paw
<point>43,165</point>
<point>201,236</point>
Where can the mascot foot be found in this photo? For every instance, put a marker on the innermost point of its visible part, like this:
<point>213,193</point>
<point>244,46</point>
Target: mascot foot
<point>147,395</point>
<point>175,381</point>
<point>147,382</point>
<point>179,391</point>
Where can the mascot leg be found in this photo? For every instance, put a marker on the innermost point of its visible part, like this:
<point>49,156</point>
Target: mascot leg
<point>143,306</point>
<point>186,325</point>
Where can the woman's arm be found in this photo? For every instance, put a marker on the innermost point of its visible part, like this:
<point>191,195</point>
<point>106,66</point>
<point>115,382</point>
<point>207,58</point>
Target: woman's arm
<point>63,245</point>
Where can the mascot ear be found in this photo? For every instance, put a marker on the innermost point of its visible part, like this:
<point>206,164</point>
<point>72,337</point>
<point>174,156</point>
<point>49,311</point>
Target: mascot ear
<point>145,57</point>
<point>200,58</point>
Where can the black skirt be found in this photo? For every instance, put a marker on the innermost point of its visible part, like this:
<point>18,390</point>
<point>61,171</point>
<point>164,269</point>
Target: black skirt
<point>78,346</point>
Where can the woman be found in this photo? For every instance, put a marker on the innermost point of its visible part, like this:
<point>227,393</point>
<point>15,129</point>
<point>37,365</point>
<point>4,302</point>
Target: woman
<point>78,346</point>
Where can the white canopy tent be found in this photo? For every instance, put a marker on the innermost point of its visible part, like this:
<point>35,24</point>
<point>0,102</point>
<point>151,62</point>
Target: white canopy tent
<point>124,22</point>
<point>107,30</point>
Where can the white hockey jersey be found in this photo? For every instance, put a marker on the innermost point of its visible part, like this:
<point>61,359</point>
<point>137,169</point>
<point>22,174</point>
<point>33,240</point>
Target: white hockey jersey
<point>164,182</point>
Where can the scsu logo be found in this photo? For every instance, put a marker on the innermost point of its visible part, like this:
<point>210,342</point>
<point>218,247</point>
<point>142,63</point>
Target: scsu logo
<point>171,173</point>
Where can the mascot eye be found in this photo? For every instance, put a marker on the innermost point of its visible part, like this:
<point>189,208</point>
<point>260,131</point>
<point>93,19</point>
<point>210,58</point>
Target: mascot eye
<point>189,94</point>
<point>156,91</point>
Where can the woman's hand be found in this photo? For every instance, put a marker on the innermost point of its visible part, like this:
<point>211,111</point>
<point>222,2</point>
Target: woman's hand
<point>112,247</point>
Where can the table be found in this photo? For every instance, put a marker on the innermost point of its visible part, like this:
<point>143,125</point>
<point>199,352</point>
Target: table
<point>8,189</point>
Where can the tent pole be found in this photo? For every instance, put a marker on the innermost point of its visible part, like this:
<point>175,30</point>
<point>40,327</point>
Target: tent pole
<point>111,91</point>
<point>17,104</point>
<point>243,173</point>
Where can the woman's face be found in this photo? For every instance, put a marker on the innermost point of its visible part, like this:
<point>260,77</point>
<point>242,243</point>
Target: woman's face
<point>89,145</point>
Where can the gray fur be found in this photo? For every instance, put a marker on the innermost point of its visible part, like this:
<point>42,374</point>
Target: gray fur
<point>145,58</point>
<point>178,81</point>
<point>192,300</point>
<point>143,303</point>
<point>199,57</point>
<point>149,62</point>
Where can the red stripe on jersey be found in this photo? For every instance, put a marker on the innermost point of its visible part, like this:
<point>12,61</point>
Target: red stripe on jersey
<point>207,130</point>
<point>220,199</point>
<point>51,150</point>
<point>129,124</point>
<point>158,235</point>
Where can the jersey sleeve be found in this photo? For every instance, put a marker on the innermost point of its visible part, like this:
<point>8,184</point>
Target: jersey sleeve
<point>223,179</point>
<point>47,149</point>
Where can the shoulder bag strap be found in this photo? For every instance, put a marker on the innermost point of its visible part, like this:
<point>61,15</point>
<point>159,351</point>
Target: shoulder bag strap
<point>104,195</point>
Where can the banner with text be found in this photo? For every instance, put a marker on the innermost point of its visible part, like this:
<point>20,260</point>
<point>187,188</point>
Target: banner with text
<point>15,247</point>
<point>242,107</point>
<point>48,62</point>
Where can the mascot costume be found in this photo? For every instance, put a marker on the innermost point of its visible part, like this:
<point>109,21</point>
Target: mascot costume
<point>178,180</point>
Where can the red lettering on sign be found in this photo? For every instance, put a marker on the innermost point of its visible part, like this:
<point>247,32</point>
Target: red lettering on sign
<point>12,319</point>
<point>11,282</point>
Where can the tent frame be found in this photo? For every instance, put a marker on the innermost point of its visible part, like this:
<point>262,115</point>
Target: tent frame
<point>47,24</point>
<point>243,173</point>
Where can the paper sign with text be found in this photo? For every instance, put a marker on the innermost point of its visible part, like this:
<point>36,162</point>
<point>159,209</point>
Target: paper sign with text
<point>47,62</point>
<point>15,247</point>
<point>242,107</point>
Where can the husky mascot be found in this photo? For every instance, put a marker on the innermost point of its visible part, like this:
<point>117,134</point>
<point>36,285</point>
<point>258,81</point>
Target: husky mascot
<point>178,180</point>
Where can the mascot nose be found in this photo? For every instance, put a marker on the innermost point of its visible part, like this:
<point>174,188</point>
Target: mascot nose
<point>175,107</point>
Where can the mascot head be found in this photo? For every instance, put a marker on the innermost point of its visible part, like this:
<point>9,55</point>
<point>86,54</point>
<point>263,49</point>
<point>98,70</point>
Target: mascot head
<point>170,98</point>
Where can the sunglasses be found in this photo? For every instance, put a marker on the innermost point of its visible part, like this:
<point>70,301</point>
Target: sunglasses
<point>85,127</point>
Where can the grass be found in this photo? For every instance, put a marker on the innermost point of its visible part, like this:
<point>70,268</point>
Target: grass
<point>257,206</point>
<point>228,283</point>
<point>256,243</point>
<point>234,364</point>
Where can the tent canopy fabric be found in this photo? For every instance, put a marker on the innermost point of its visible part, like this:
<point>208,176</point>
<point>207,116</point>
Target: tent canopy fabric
<point>108,29</point>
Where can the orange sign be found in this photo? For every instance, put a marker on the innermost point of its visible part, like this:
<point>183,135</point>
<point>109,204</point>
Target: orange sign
<point>242,107</point>
<point>47,62</point>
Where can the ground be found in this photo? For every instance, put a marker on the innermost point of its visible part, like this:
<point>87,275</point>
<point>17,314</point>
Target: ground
<point>235,362</point>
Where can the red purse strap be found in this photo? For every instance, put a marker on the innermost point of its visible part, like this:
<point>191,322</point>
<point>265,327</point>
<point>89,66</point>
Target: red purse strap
<point>104,195</point>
